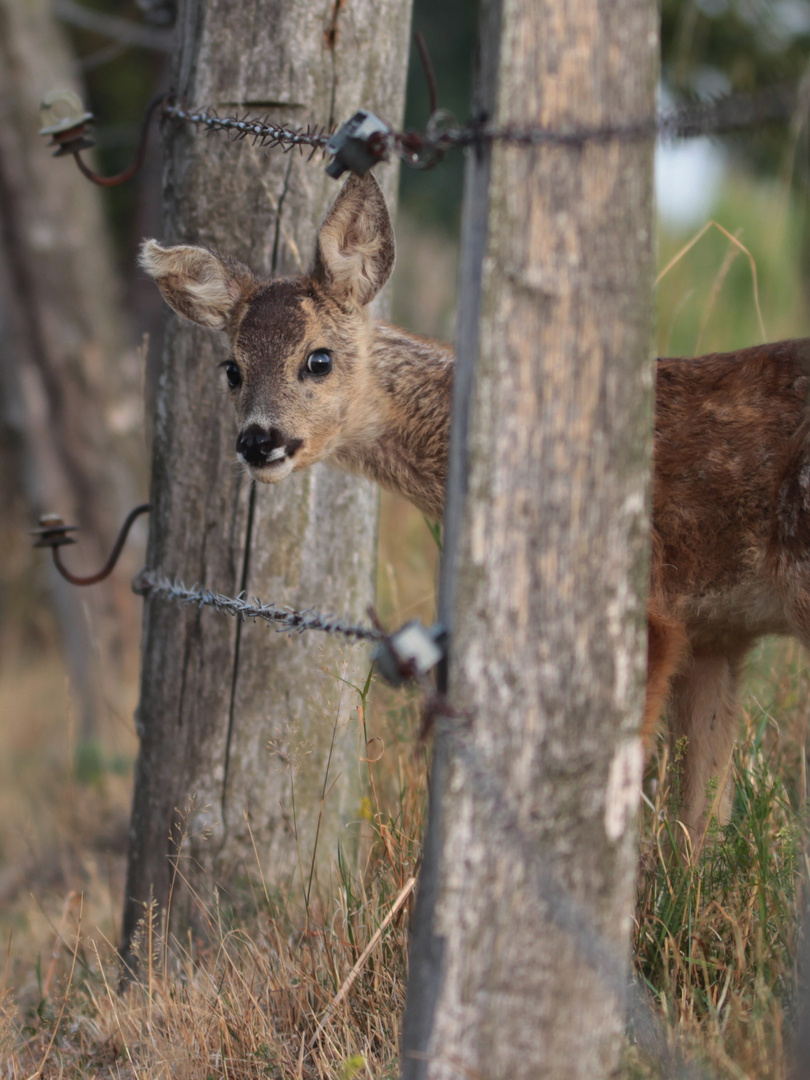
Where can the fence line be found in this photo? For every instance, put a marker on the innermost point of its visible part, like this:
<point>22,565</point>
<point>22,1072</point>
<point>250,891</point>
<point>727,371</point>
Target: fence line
<point>365,139</point>
<point>443,132</point>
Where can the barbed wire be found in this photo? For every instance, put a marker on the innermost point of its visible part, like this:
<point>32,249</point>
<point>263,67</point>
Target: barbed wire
<point>259,129</point>
<point>404,654</point>
<point>365,139</point>
<point>607,960</point>
<point>443,132</point>
<point>718,116</point>
<point>283,618</point>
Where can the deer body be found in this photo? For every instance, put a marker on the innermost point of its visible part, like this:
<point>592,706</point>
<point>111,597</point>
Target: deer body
<point>314,377</point>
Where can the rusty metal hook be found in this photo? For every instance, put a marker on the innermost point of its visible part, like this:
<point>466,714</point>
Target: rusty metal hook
<point>53,533</point>
<point>427,67</point>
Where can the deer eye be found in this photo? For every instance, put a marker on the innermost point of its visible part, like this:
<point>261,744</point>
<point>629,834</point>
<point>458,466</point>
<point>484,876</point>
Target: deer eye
<point>232,374</point>
<point>319,362</point>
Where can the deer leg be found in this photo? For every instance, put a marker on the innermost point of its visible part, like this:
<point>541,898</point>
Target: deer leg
<point>703,725</point>
<point>667,649</point>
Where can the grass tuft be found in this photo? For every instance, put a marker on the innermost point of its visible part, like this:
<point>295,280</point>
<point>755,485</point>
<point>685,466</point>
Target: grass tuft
<point>716,938</point>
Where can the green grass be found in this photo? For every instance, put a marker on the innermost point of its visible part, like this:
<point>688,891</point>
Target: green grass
<point>715,939</point>
<point>707,301</point>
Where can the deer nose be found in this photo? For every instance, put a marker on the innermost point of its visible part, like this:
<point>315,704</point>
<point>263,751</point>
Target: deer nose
<point>259,446</point>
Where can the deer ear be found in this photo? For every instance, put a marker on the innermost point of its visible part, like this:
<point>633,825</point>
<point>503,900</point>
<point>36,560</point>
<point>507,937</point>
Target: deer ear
<point>354,255</point>
<point>199,284</point>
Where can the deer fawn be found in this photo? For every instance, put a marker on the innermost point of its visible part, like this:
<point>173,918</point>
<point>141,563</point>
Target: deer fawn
<point>314,377</point>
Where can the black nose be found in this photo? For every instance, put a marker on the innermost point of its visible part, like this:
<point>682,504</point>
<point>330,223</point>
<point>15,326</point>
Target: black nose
<point>260,446</point>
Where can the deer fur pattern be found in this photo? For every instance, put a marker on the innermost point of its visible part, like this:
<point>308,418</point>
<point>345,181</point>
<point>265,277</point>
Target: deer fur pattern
<point>314,377</point>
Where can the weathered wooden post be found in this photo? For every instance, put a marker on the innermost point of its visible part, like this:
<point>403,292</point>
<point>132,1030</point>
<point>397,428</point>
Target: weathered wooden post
<point>243,730</point>
<point>520,953</point>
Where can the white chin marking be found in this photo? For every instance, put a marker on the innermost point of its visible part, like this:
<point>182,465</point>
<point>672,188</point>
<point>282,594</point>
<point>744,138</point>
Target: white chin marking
<point>271,474</point>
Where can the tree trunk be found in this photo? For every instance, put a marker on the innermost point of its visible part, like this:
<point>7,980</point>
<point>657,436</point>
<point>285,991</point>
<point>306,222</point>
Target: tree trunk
<point>521,944</point>
<point>243,730</point>
<point>70,421</point>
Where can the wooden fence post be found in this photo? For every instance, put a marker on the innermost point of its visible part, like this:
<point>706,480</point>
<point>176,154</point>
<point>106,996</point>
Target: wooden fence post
<point>520,952</point>
<point>236,722</point>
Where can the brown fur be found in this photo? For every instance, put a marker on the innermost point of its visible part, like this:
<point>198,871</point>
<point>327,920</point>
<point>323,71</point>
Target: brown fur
<point>731,491</point>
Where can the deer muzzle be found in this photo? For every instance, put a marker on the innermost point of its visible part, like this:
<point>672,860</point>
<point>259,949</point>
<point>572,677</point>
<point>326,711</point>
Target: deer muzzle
<point>260,448</point>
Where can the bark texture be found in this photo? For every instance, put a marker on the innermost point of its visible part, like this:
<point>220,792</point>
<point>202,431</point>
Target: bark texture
<point>527,934</point>
<point>70,412</point>
<point>240,725</point>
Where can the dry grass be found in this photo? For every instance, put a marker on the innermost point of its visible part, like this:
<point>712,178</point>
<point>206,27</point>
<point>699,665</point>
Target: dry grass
<point>271,997</point>
<point>267,995</point>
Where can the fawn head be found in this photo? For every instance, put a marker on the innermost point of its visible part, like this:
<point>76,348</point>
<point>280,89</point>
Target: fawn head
<point>299,346</point>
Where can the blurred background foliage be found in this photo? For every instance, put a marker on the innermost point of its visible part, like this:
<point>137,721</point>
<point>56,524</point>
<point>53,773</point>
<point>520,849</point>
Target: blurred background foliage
<point>709,48</point>
<point>753,183</point>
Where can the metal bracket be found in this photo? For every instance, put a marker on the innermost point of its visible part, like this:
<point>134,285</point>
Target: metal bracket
<point>410,652</point>
<point>358,144</point>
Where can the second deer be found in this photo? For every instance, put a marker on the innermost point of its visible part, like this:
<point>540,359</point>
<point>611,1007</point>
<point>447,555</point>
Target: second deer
<point>314,377</point>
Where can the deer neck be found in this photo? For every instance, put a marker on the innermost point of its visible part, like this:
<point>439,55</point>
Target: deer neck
<point>401,442</point>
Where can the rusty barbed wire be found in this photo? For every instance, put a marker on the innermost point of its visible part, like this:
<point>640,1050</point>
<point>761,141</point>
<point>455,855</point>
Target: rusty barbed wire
<point>403,654</point>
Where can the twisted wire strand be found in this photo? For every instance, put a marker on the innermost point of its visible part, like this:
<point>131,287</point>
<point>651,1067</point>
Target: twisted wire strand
<point>283,618</point>
<point>259,129</point>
